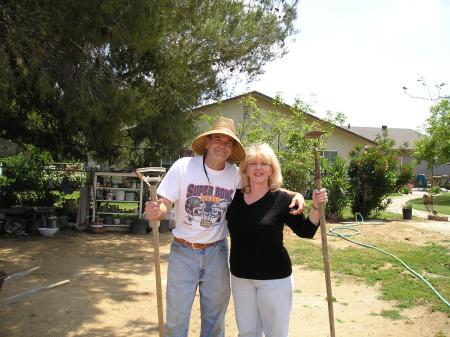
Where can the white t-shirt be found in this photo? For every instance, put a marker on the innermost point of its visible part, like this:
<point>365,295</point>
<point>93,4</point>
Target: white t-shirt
<point>200,206</point>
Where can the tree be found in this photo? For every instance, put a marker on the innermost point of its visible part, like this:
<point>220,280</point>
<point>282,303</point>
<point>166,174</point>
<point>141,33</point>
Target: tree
<point>25,179</point>
<point>372,178</point>
<point>375,173</point>
<point>285,132</point>
<point>83,77</point>
<point>432,94</point>
<point>336,182</point>
<point>435,146</point>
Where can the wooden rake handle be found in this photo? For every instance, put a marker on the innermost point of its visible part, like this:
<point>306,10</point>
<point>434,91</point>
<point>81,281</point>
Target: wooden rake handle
<point>326,260</point>
<point>154,224</point>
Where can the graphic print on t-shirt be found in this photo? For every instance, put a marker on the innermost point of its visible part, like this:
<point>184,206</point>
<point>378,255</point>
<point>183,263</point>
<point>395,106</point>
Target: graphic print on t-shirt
<point>206,205</point>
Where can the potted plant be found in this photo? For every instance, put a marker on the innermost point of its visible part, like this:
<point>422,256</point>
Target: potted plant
<point>407,211</point>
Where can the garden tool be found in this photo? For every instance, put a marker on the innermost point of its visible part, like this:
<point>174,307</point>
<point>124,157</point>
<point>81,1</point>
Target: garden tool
<point>20,296</point>
<point>323,231</point>
<point>152,183</point>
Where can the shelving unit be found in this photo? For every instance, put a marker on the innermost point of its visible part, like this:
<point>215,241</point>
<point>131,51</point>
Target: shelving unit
<point>116,188</point>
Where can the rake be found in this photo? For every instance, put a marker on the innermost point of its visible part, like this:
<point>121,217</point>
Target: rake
<point>315,135</point>
<point>152,182</point>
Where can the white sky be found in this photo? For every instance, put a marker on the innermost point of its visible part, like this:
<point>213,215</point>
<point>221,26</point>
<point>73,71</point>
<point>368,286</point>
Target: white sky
<point>355,57</point>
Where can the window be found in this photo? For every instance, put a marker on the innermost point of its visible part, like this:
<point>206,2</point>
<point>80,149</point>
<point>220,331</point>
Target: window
<point>330,155</point>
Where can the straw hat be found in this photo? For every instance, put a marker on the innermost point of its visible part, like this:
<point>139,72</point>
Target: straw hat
<point>224,126</point>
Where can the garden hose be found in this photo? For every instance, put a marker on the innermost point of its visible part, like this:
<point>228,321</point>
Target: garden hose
<point>351,227</point>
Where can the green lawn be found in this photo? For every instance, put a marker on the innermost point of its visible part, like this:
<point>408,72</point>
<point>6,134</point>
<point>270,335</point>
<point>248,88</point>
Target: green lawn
<point>347,214</point>
<point>372,267</point>
<point>441,203</point>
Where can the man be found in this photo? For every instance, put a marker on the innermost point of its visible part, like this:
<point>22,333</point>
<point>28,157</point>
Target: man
<point>201,189</point>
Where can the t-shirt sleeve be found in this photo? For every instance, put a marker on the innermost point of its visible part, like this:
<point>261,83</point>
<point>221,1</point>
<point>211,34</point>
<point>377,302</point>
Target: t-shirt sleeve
<point>170,185</point>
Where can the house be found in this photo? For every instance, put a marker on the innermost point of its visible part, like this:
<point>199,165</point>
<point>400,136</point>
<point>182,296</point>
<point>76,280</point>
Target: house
<point>405,139</point>
<point>340,142</point>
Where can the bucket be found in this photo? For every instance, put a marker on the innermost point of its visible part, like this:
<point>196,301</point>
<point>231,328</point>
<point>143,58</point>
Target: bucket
<point>407,213</point>
<point>164,226</point>
<point>120,195</point>
<point>139,227</point>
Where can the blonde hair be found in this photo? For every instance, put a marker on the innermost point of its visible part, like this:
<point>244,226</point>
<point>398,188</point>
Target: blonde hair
<point>264,151</point>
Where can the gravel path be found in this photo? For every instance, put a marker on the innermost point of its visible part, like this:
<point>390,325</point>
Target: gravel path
<point>397,204</point>
<point>438,226</point>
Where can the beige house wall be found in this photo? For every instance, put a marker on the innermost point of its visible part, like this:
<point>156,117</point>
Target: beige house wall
<point>231,109</point>
<point>340,139</point>
<point>343,143</point>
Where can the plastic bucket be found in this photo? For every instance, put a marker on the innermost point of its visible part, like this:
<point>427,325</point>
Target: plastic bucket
<point>120,195</point>
<point>139,227</point>
<point>407,213</point>
<point>130,196</point>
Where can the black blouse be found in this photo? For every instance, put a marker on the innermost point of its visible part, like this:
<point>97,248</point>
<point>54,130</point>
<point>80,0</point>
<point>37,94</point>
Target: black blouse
<point>256,232</point>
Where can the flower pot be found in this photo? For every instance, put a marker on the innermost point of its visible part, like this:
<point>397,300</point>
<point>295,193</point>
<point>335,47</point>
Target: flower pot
<point>139,227</point>
<point>130,196</point>
<point>407,213</point>
<point>45,231</point>
<point>164,226</point>
<point>120,195</point>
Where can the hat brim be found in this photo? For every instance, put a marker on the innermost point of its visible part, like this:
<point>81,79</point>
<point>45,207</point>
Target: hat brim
<point>199,145</point>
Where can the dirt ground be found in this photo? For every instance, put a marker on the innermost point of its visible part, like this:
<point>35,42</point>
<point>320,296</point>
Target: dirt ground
<point>112,289</point>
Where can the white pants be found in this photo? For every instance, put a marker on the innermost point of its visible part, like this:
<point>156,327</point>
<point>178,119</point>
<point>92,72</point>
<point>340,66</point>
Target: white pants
<point>262,307</point>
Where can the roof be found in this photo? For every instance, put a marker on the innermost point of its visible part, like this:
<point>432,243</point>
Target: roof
<point>270,99</point>
<point>400,136</point>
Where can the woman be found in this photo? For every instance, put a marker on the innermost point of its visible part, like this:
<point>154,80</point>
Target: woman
<point>259,263</point>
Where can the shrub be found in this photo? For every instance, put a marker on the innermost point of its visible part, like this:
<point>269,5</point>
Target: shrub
<point>24,181</point>
<point>373,177</point>
<point>404,175</point>
<point>66,180</point>
<point>404,190</point>
<point>73,177</point>
<point>336,182</point>
<point>434,190</point>
<point>29,179</point>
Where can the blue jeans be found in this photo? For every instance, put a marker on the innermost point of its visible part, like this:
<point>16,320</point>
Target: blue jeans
<point>206,269</point>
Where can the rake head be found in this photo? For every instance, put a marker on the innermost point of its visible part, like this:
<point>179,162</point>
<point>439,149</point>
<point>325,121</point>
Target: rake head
<point>150,174</point>
<point>314,134</point>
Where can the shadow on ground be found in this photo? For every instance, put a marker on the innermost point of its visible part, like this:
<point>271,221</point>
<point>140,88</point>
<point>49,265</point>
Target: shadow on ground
<point>106,273</point>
